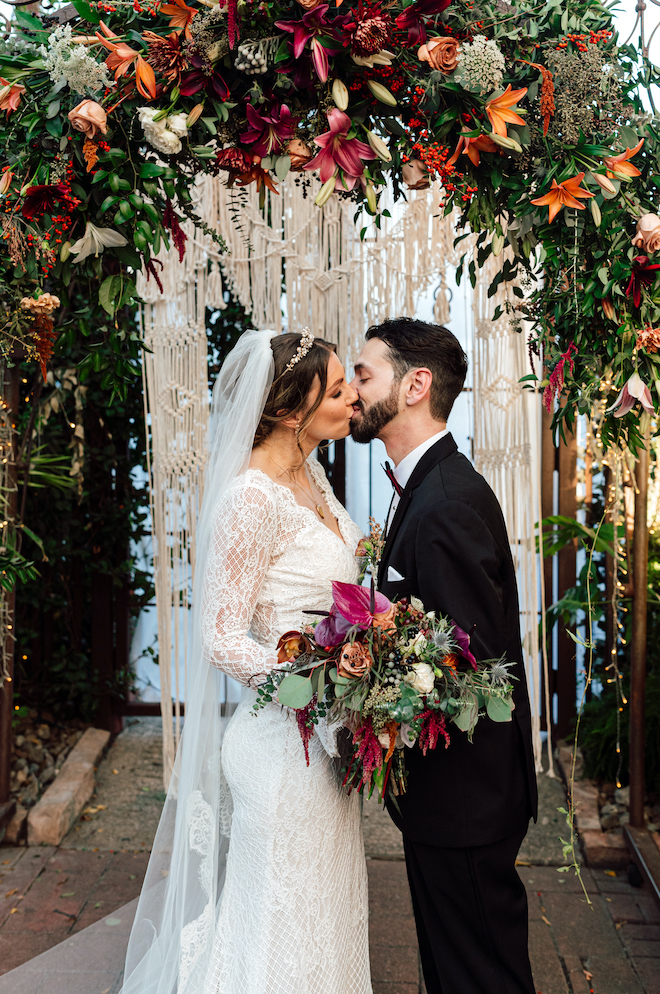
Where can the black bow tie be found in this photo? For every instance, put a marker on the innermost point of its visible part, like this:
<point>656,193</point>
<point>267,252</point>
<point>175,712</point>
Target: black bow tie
<point>389,473</point>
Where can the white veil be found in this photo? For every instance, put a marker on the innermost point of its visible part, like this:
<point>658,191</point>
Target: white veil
<point>171,940</point>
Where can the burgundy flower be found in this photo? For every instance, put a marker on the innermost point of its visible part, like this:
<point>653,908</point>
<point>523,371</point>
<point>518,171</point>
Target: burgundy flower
<point>367,30</point>
<point>412,18</point>
<point>642,275</point>
<point>42,199</point>
<point>433,726</point>
<point>313,28</point>
<point>556,381</point>
<point>179,237</point>
<point>203,77</point>
<point>234,160</point>
<point>338,150</point>
<point>271,131</point>
<point>462,639</point>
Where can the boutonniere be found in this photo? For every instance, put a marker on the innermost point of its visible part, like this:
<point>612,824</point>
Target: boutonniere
<point>370,550</point>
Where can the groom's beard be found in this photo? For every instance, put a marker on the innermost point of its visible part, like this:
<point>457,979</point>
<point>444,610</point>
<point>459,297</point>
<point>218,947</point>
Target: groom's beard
<point>370,422</point>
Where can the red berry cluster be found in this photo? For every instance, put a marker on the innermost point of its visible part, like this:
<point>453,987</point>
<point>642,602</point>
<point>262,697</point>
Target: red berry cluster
<point>580,40</point>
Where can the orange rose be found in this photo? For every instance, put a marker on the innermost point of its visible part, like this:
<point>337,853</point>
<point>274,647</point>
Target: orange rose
<point>385,621</point>
<point>308,4</point>
<point>440,53</point>
<point>415,175</point>
<point>291,645</point>
<point>354,660</point>
<point>299,154</point>
<point>89,117</point>
<point>647,236</point>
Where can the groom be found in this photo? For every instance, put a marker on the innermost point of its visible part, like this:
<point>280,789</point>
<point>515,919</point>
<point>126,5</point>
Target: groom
<point>466,810</point>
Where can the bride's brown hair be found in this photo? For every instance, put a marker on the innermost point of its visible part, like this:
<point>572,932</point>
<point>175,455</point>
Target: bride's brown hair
<point>291,387</point>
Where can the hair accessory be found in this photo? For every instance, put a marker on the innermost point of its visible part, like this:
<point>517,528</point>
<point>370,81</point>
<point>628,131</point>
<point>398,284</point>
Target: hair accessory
<point>306,342</point>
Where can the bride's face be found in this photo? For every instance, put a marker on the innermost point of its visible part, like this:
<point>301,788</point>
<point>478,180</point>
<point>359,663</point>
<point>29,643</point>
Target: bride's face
<point>333,416</point>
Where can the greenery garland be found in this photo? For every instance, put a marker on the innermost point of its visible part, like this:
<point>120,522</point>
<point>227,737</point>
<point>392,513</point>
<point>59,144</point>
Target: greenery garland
<point>533,116</point>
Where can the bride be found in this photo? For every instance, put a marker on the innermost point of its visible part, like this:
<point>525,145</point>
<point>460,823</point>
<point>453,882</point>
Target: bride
<point>257,880</point>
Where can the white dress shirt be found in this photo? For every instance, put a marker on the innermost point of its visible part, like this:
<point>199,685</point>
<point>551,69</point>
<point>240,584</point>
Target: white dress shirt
<point>404,470</point>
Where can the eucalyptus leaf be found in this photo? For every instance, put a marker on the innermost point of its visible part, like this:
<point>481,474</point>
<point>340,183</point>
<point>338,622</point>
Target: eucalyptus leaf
<point>498,709</point>
<point>295,691</point>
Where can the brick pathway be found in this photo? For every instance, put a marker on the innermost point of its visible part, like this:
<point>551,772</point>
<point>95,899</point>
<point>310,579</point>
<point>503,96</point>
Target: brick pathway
<point>611,948</point>
<point>47,895</point>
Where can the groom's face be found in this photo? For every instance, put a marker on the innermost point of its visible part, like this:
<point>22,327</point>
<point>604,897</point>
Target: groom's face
<point>378,391</point>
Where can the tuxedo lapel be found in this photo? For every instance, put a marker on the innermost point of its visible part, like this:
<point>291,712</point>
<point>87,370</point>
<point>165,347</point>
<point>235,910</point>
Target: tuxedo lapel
<point>445,447</point>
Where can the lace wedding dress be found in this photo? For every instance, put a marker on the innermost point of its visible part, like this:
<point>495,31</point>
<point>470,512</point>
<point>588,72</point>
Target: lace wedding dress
<point>293,913</point>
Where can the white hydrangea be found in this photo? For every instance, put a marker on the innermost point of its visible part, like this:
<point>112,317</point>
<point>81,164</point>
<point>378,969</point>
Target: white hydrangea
<point>64,59</point>
<point>158,134</point>
<point>480,65</point>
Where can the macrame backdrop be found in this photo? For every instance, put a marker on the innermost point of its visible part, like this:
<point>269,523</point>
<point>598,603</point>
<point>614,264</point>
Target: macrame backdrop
<point>337,284</point>
<point>506,427</point>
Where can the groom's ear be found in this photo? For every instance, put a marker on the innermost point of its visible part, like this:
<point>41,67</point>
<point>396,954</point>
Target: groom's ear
<point>417,385</point>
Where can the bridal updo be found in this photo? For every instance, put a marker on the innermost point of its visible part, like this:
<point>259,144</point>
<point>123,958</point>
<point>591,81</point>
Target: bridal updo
<point>290,391</point>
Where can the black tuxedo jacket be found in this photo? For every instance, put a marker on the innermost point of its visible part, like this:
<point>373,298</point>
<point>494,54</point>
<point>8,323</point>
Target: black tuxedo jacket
<point>448,541</point>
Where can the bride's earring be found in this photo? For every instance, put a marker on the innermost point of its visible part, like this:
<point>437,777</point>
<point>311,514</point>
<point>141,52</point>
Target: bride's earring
<point>297,431</point>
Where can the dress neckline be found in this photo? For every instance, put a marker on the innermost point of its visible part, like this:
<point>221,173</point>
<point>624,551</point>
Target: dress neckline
<point>303,507</point>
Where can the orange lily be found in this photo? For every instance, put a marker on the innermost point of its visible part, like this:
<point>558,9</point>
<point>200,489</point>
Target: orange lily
<point>618,166</point>
<point>181,15</point>
<point>257,174</point>
<point>471,147</point>
<point>563,195</point>
<point>122,57</point>
<point>500,110</point>
<point>10,95</point>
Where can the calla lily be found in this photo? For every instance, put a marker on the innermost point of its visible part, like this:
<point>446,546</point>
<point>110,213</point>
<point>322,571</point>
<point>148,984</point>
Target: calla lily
<point>564,195</point>
<point>338,150</point>
<point>309,29</point>
<point>634,390</point>
<point>500,110</point>
<point>122,57</point>
<point>354,602</point>
<point>462,639</point>
<point>617,165</point>
<point>95,240</point>
<point>271,131</point>
<point>332,630</point>
<point>472,147</point>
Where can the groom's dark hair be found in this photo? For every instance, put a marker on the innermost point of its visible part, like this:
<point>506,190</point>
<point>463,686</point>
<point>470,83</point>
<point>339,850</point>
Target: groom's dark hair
<point>416,343</point>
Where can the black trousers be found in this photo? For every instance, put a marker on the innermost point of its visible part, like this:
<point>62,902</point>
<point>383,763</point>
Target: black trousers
<point>471,915</point>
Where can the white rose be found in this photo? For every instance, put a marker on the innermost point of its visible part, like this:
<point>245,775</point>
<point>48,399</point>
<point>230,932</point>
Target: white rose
<point>421,678</point>
<point>146,116</point>
<point>165,141</point>
<point>177,124</point>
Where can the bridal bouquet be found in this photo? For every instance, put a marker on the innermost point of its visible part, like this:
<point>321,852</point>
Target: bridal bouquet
<point>394,673</point>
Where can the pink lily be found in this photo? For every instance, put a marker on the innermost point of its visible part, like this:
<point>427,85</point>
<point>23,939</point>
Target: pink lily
<point>338,150</point>
<point>312,25</point>
<point>270,131</point>
<point>634,390</point>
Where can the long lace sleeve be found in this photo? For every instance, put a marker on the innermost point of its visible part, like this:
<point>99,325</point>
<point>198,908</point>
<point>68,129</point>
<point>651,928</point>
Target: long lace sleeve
<point>240,554</point>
